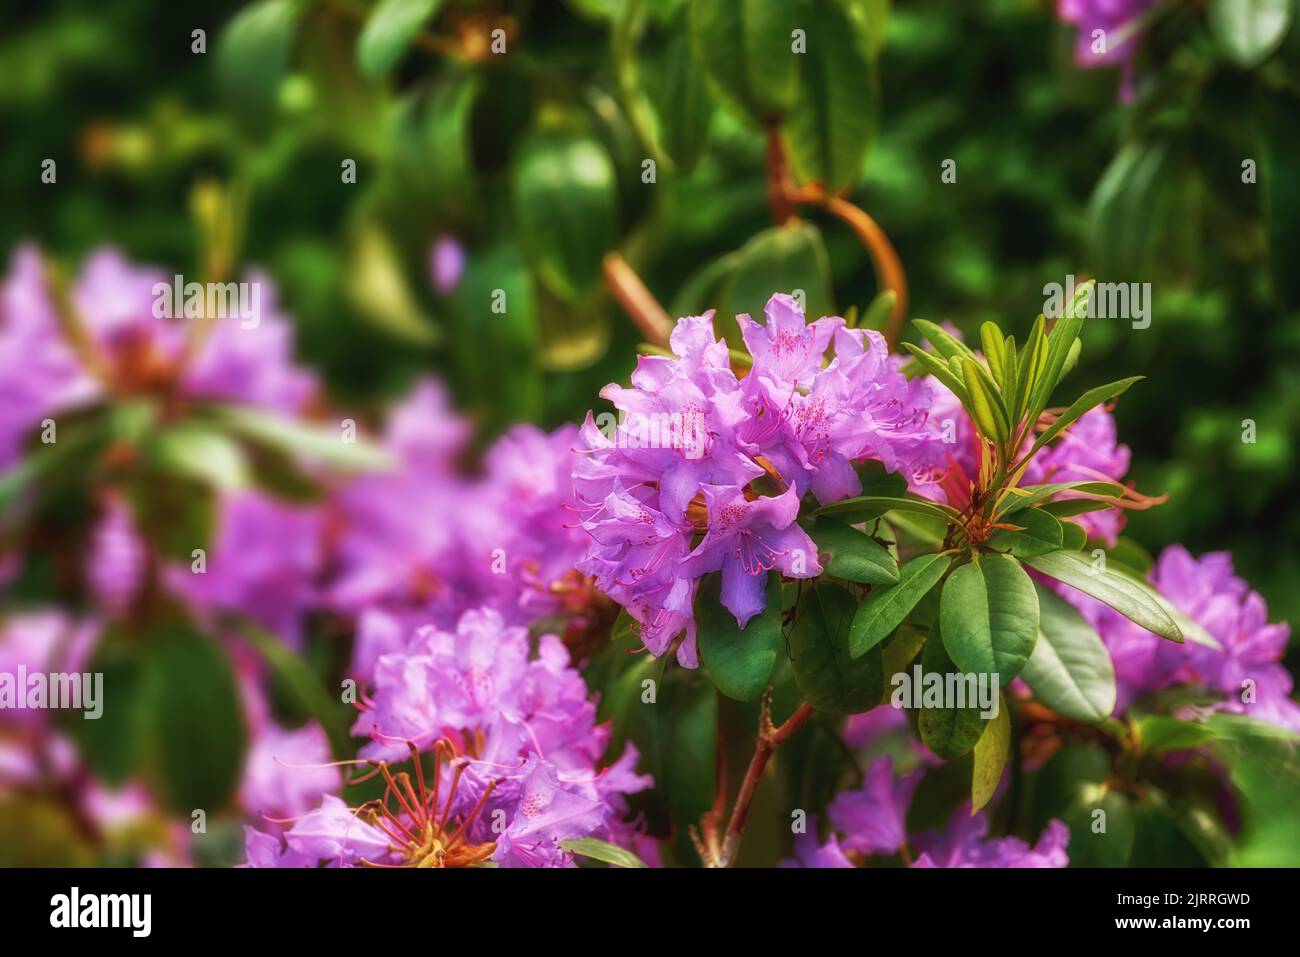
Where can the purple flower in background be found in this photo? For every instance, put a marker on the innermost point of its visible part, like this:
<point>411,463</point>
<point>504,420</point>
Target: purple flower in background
<point>131,347</point>
<point>1107,33</point>
<point>446,264</point>
<point>515,745</point>
<point>39,372</point>
<point>964,844</point>
<point>1247,667</point>
<point>426,542</point>
<point>263,564</point>
<point>873,819</point>
<point>116,566</point>
<point>809,852</point>
<point>1085,452</point>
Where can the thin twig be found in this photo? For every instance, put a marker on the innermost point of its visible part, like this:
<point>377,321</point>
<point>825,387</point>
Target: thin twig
<point>639,302</point>
<point>769,739</point>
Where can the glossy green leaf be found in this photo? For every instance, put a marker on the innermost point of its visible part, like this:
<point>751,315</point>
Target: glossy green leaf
<point>852,555</point>
<point>390,29</point>
<point>833,124</point>
<point>194,718</point>
<point>603,851</point>
<point>1086,402</point>
<point>872,505</point>
<point>313,442</point>
<point>1110,587</point>
<point>252,58</point>
<point>819,649</point>
<point>886,606</point>
<point>746,48</point>
<point>738,660</point>
<point>947,730</point>
<point>991,753</point>
<point>1041,533</point>
<point>1249,31</point>
<point>938,369</point>
<point>566,208</point>
<point>781,259</point>
<point>989,614</point>
<point>1070,670</point>
<point>1074,536</point>
<point>986,408</point>
<point>199,453</point>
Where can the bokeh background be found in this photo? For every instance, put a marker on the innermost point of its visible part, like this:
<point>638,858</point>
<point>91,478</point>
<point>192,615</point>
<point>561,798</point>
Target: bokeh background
<point>477,171</point>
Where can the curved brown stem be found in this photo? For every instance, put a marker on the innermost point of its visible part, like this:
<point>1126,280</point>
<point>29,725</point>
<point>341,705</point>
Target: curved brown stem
<point>783,196</point>
<point>769,739</point>
<point>638,301</point>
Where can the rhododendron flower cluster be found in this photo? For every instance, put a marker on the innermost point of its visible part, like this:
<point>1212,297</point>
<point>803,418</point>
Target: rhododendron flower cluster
<point>517,750</point>
<point>871,821</point>
<point>705,470</point>
<point>1247,666</point>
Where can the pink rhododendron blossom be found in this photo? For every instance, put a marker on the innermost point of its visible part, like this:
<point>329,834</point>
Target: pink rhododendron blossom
<point>697,451</point>
<point>1248,665</point>
<point>965,844</point>
<point>516,745</point>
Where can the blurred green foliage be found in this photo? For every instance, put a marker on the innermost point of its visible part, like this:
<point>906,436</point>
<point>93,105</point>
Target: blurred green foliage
<point>535,159</point>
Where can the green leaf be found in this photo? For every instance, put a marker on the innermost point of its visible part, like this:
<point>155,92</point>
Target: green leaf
<point>1028,495</point>
<point>684,105</point>
<point>202,454</point>
<point>989,614</point>
<point>177,515</point>
<point>739,661</point>
<point>949,732</point>
<point>1029,369</point>
<point>313,442</point>
<point>823,670</point>
<point>566,208</point>
<point>195,719</point>
<point>991,753</point>
<point>1070,670</point>
<point>1160,733</point>
<point>834,121</point>
<point>897,652</point>
<point>1110,587</point>
<point>945,343</point>
<point>869,506</point>
<point>489,339</point>
<point>745,46</point>
<point>781,259</point>
<point>389,30</point>
<point>995,352</point>
<point>1085,403</point>
<point>1074,536</point>
<point>886,606</point>
<point>986,408</point>
<point>1041,533</point>
<point>376,286</point>
<point>1248,31</point>
<point>111,744</point>
<point>252,58</point>
<point>853,555</point>
<point>940,370</point>
<point>604,851</point>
